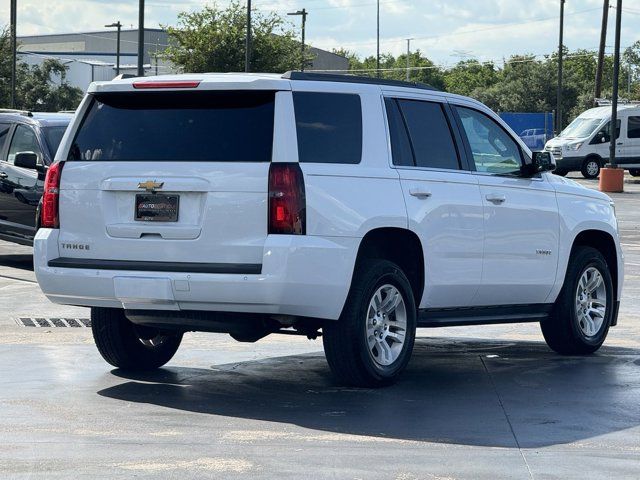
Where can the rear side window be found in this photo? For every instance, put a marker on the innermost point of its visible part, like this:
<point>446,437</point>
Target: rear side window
<point>430,135</point>
<point>401,152</point>
<point>633,127</point>
<point>329,127</point>
<point>177,126</point>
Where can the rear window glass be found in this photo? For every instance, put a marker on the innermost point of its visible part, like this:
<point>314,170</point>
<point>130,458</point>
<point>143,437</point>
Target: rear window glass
<point>329,127</point>
<point>177,126</point>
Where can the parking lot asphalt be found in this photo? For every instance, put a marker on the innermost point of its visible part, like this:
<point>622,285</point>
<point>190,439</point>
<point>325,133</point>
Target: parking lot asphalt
<point>480,402</point>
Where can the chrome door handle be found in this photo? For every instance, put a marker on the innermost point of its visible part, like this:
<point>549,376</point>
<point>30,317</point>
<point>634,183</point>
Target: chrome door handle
<point>619,143</point>
<point>419,192</point>
<point>495,198</point>
<point>3,175</point>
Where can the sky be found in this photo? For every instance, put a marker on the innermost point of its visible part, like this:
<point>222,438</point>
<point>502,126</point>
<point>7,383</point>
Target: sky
<point>445,31</point>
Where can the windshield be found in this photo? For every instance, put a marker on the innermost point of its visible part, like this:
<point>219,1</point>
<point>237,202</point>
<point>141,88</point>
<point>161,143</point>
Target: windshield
<point>53,135</point>
<point>581,127</point>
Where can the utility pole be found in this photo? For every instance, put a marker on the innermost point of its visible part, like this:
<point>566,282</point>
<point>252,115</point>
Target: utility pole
<point>14,47</point>
<point>247,48</point>
<point>603,39</point>
<point>559,94</point>
<point>378,41</point>
<point>408,55</point>
<point>303,13</point>
<point>614,95</point>
<point>117,25</point>
<point>141,39</point>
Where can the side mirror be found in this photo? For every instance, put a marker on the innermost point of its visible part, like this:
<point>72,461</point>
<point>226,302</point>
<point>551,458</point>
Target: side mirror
<point>543,162</point>
<point>26,160</point>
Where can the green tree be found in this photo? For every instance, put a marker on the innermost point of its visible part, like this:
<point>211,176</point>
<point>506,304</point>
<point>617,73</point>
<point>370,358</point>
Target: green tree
<point>213,40</point>
<point>35,86</point>
<point>470,75</point>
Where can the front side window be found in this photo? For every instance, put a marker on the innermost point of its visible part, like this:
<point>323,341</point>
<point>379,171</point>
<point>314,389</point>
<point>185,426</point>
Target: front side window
<point>604,134</point>
<point>329,127</point>
<point>492,148</point>
<point>201,126</point>
<point>24,140</point>
<point>633,127</point>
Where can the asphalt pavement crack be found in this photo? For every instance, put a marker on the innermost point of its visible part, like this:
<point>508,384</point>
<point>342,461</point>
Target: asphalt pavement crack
<point>506,416</point>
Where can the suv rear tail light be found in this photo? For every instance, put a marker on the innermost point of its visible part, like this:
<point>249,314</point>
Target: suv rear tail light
<point>49,216</point>
<point>287,204</point>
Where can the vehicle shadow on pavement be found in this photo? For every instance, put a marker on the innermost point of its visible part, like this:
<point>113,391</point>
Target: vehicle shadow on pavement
<point>23,262</point>
<point>484,393</point>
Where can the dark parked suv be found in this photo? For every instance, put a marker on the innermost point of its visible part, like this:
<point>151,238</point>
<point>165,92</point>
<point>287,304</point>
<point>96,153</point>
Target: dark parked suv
<point>28,143</point>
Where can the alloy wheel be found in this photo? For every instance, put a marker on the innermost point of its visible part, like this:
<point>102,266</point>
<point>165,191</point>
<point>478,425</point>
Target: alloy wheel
<point>386,325</point>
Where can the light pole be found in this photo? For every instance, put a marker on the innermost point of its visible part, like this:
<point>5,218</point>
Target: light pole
<point>408,55</point>
<point>378,40</point>
<point>247,48</point>
<point>614,95</point>
<point>603,39</point>
<point>14,47</point>
<point>117,25</point>
<point>559,94</point>
<point>303,13</point>
<point>141,39</point>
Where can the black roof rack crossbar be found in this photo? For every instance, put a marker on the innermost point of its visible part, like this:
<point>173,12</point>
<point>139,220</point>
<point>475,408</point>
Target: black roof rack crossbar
<point>346,78</point>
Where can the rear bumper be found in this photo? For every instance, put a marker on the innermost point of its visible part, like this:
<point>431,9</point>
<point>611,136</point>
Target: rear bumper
<point>300,275</point>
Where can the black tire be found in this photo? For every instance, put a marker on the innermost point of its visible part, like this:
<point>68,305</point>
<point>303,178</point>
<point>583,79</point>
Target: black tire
<point>120,342</point>
<point>634,172</point>
<point>562,330</point>
<point>346,340</point>
<point>562,173</point>
<point>591,167</point>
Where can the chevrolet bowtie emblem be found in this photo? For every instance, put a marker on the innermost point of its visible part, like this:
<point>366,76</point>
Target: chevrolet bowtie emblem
<point>151,186</point>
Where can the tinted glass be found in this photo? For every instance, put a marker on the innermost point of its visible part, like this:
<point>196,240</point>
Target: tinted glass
<point>633,128</point>
<point>177,126</point>
<point>430,134</point>
<point>4,133</point>
<point>493,149</point>
<point>400,145</point>
<point>24,140</point>
<point>53,136</point>
<point>329,127</point>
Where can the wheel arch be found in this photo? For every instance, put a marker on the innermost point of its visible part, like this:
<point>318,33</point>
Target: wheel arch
<point>400,246</point>
<point>603,242</point>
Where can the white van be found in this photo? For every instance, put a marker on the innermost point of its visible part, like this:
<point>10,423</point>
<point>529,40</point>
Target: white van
<point>584,145</point>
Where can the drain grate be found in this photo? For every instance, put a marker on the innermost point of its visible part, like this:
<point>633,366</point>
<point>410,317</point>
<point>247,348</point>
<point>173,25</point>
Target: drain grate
<point>41,322</point>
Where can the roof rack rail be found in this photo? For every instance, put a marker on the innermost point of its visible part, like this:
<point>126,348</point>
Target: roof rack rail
<point>346,78</point>
<point>18,112</point>
<point>606,102</point>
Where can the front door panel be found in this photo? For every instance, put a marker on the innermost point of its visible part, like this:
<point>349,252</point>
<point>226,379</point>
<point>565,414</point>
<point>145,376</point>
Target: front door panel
<point>521,240</point>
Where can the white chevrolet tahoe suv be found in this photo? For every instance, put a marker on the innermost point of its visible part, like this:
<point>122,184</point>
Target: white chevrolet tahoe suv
<point>352,208</point>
